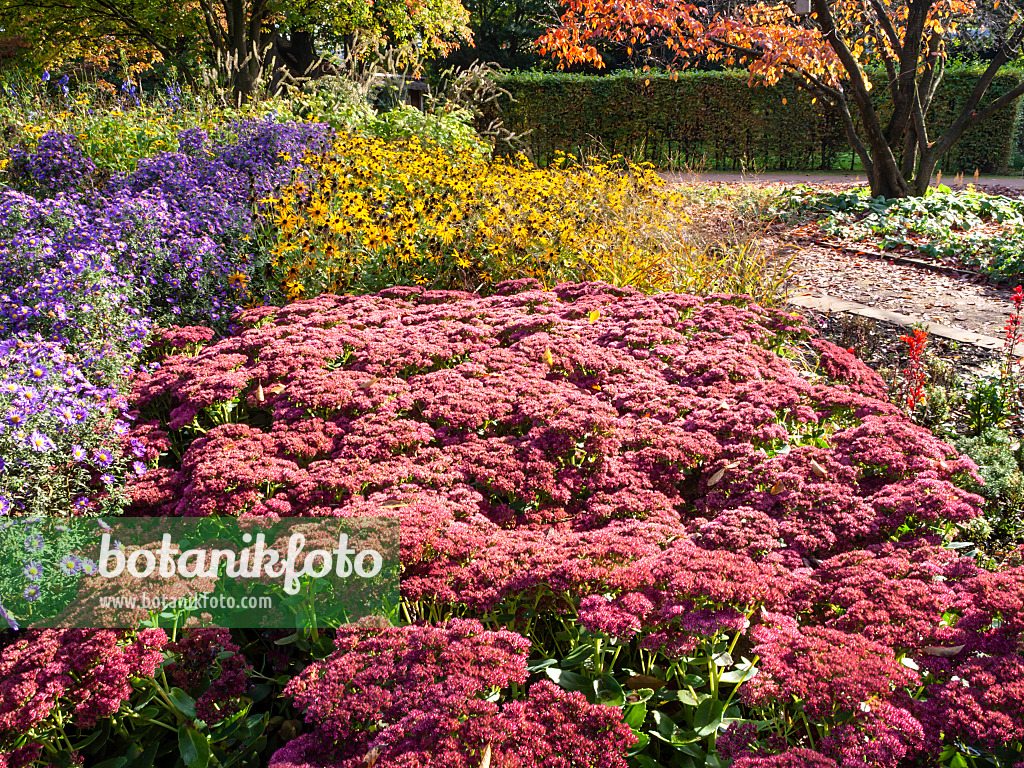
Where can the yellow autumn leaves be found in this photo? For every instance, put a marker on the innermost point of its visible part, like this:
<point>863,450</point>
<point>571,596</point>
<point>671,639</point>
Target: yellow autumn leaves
<point>377,213</point>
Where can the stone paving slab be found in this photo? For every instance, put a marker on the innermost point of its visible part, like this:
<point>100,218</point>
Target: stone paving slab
<point>830,304</point>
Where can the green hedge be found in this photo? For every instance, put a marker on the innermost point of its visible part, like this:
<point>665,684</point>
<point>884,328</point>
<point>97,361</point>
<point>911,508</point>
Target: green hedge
<point>717,119</point>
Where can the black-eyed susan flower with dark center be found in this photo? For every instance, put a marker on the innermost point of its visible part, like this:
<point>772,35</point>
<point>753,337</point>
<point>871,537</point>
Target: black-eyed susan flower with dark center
<point>317,212</point>
<point>373,239</point>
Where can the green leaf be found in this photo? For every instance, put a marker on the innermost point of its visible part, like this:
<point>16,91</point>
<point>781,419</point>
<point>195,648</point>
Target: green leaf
<point>570,681</point>
<point>194,748</point>
<point>708,716</point>
<point>683,696</point>
<point>635,714</point>
<point>738,675</point>
<point>146,757</point>
<point>642,741</point>
<point>577,656</point>
<point>183,702</point>
<point>663,723</point>
<point>615,695</point>
<point>260,692</point>
<point>114,762</point>
<point>539,664</point>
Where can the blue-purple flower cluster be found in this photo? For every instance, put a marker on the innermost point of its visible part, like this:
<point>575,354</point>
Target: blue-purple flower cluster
<point>182,225</point>
<point>84,279</point>
<point>61,433</point>
<point>40,563</point>
<point>59,278</point>
<point>205,262</point>
<point>57,164</point>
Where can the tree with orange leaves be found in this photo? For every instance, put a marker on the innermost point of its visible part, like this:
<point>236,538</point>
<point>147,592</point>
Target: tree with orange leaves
<point>829,52</point>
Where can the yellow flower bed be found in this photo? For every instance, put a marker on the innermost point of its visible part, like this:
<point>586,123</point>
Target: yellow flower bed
<point>381,213</point>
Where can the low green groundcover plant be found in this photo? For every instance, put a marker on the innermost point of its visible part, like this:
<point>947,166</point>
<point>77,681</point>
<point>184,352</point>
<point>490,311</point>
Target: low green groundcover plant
<point>967,228</point>
<point>635,531</point>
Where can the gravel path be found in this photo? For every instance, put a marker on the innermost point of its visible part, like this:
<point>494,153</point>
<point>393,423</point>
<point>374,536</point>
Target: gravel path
<point>995,184</point>
<point>970,304</point>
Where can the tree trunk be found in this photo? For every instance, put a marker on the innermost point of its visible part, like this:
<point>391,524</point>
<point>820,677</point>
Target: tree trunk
<point>295,57</point>
<point>884,174</point>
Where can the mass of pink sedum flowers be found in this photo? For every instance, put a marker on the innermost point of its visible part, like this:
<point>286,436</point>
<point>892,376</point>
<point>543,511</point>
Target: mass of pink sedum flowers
<point>664,470</point>
<point>413,696</point>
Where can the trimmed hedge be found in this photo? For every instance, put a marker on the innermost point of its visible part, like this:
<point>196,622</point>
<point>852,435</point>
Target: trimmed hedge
<point>715,117</point>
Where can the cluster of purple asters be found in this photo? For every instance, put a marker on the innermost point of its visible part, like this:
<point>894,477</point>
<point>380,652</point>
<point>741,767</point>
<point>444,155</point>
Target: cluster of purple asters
<point>62,433</point>
<point>56,164</point>
<point>182,224</point>
<point>84,278</point>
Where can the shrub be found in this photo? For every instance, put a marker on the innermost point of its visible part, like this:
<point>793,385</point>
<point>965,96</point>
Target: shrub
<point>716,117</point>
<point>452,131</point>
<point>1003,483</point>
<point>719,522</point>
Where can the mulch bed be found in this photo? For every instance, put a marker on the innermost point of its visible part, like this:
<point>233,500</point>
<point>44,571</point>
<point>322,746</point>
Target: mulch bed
<point>878,343</point>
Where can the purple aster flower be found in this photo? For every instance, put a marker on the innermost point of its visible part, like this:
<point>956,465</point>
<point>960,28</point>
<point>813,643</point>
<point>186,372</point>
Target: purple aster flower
<point>38,371</point>
<point>139,467</point>
<point>107,479</point>
<point>89,567</point>
<point>33,571</point>
<point>8,618</point>
<point>70,565</point>
<point>39,442</point>
<point>31,593</point>
<point>34,542</point>
<point>78,453</point>
<point>103,457</point>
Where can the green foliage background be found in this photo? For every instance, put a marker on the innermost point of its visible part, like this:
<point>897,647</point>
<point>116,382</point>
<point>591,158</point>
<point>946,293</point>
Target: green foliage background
<point>718,119</point>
